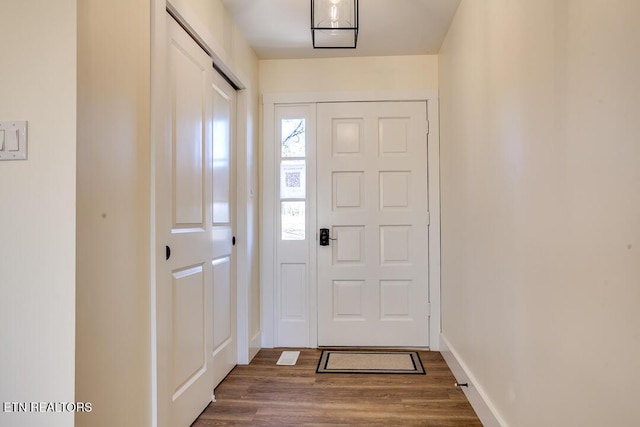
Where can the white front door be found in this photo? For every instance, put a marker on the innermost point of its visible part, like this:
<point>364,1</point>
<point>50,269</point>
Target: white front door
<point>195,294</point>
<point>373,287</point>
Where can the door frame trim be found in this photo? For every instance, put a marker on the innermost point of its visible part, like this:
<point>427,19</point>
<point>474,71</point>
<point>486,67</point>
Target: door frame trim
<point>268,211</point>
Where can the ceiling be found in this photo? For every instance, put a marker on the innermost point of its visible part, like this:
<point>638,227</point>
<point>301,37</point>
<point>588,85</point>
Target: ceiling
<point>280,29</point>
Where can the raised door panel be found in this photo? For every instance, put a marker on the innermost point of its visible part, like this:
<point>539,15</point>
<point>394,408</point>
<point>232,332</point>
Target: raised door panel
<point>188,321</point>
<point>189,77</point>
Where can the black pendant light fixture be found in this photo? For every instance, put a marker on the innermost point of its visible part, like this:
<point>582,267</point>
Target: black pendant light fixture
<point>334,24</point>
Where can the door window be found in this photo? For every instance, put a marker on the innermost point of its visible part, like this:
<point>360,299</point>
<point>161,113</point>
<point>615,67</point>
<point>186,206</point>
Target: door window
<point>293,179</point>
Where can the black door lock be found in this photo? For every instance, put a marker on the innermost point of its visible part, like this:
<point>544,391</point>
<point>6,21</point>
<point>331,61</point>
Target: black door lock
<point>324,237</point>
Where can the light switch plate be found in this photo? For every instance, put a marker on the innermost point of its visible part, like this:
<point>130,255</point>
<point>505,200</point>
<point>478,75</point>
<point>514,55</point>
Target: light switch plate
<point>13,140</point>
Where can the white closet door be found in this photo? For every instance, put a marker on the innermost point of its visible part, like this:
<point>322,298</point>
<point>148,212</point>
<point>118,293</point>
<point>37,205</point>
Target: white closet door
<point>195,286</point>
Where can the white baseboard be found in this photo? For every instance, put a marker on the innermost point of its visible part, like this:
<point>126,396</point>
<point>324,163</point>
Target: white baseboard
<point>476,395</point>
<point>255,345</point>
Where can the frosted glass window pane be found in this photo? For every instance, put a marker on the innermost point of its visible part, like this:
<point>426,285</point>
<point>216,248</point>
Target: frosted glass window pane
<point>293,219</point>
<point>293,137</point>
<point>293,181</point>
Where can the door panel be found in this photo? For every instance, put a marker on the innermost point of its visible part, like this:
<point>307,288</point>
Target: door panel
<point>222,322</point>
<point>189,357</point>
<point>195,304</point>
<point>225,355</point>
<point>223,107</point>
<point>372,195</point>
<point>189,76</point>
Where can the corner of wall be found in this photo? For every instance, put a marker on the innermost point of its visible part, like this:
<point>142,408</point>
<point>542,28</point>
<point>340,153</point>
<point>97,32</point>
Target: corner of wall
<point>474,392</point>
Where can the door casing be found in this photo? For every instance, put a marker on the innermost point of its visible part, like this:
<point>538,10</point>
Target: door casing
<point>270,211</point>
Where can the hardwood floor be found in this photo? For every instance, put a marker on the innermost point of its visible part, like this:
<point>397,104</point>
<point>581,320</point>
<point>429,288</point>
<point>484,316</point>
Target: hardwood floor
<point>263,394</point>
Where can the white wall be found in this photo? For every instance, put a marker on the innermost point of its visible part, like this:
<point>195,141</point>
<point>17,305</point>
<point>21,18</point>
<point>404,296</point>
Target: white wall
<point>113,334</point>
<point>358,74</point>
<point>37,210</point>
<point>541,207</point>
<point>213,16</point>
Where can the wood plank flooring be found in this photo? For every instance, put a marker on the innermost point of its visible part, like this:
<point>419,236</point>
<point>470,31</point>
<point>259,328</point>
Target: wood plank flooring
<point>263,394</point>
